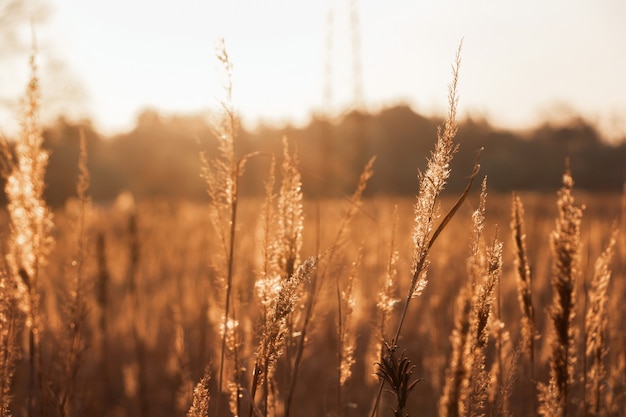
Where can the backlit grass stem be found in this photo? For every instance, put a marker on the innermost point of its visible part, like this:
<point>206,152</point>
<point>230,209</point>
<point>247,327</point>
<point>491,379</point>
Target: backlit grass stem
<point>31,224</point>
<point>566,247</point>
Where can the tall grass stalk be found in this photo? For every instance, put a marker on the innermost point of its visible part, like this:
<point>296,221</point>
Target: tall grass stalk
<point>282,229</point>
<point>319,277</point>
<point>221,176</point>
<point>9,351</point>
<point>426,210</point>
<point>30,240</point>
<point>201,397</point>
<point>465,377</point>
<point>431,184</point>
<point>135,303</point>
<point>275,328</point>
<point>267,286</point>
<point>455,372</point>
<point>596,328</point>
<point>524,281</point>
<point>524,289</point>
<point>290,214</point>
<point>345,332</point>
<point>104,278</point>
<point>386,297</point>
<point>184,396</point>
<point>478,383</point>
<point>566,246</point>
<point>303,333</point>
<point>77,310</point>
<point>9,311</point>
<point>472,388</point>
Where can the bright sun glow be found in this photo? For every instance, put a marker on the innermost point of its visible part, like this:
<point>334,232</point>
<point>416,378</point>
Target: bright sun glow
<point>522,63</point>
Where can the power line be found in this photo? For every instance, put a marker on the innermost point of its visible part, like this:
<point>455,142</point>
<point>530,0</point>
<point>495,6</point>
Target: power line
<point>357,94</point>
<point>328,70</point>
<point>357,66</point>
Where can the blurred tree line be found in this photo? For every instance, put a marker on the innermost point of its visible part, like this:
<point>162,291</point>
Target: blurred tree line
<point>159,158</point>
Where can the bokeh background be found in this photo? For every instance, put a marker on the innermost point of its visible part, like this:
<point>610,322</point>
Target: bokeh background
<point>345,80</point>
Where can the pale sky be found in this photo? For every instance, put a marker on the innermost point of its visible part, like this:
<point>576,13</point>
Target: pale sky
<point>522,62</point>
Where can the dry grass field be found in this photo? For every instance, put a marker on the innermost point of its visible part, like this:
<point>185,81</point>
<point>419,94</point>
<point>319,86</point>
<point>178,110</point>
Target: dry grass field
<point>437,305</point>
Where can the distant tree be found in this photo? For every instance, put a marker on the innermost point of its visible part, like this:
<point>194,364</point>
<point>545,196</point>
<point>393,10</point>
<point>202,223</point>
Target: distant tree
<point>159,158</point>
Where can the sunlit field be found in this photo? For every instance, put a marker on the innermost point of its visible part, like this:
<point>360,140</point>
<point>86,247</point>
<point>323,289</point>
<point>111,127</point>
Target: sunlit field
<point>152,307</point>
<point>440,304</point>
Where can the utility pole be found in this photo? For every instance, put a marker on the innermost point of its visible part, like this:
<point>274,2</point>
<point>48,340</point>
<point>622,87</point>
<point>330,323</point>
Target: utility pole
<point>357,66</point>
<point>328,70</point>
<point>358,96</point>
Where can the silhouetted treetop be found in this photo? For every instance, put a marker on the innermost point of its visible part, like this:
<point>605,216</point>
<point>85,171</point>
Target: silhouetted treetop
<point>159,157</point>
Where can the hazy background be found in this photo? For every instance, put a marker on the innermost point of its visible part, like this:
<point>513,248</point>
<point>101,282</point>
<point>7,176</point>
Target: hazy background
<point>540,81</point>
<point>522,61</point>
<point>159,157</point>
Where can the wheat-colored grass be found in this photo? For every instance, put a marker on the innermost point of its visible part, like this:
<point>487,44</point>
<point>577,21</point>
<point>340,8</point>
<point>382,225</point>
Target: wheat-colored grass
<point>201,397</point>
<point>281,298</point>
<point>566,246</point>
<point>31,239</point>
<point>524,281</point>
<point>596,327</point>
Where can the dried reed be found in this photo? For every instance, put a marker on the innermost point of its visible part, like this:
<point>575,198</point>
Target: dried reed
<point>455,372</point>
<point>201,397</point>
<point>466,380</point>
<point>104,278</point>
<point>135,304</point>
<point>184,396</point>
<point>524,281</point>
<point>566,246</point>
<point>76,302</point>
<point>221,176</point>
<point>317,279</point>
<point>290,214</point>
<point>426,210</point>
<point>386,300</point>
<point>9,351</point>
<point>31,223</point>
<point>345,332</point>
<point>596,328</point>
<point>275,328</point>
<point>267,288</point>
